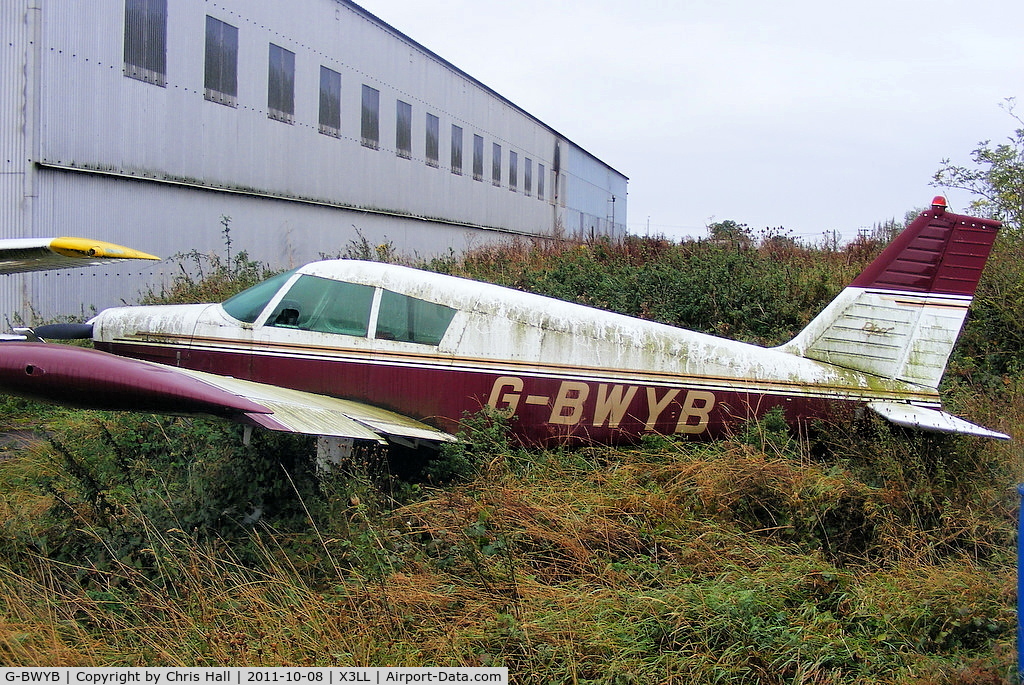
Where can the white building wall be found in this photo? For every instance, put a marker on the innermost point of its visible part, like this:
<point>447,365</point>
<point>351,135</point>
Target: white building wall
<point>155,167</point>
<point>101,205</point>
<point>598,197</point>
<point>18,46</point>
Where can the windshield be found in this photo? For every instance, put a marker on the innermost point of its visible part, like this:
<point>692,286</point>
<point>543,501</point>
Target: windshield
<point>324,305</point>
<point>247,305</point>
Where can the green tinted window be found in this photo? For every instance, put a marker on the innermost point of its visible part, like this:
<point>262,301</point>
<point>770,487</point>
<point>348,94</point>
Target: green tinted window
<point>407,319</point>
<point>320,304</point>
<point>247,305</point>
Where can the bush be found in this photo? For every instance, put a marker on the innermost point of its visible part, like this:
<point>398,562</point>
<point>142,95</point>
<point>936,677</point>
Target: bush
<point>482,436</point>
<point>206,277</point>
<point>759,293</point>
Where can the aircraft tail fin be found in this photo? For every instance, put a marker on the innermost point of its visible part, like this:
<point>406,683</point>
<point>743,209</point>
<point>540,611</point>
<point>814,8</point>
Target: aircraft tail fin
<point>901,317</point>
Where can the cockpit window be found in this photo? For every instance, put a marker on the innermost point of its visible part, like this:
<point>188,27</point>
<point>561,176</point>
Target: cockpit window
<point>247,305</point>
<point>324,305</point>
<point>320,304</point>
<point>408,319</point>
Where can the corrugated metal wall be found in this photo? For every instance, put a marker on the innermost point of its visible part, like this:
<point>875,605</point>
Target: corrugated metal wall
<point>598,196</point>
<point>277,232</point>
<point>301,191</point>
<point>18,23</point>
<point>15,137</point>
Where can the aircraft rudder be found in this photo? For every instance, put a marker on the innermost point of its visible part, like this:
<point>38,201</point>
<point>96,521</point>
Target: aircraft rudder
<point>939,252</point>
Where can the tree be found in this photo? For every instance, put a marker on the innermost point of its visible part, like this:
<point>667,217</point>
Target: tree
<point>729,231</point>
<point>992,347</point>
<point>996,178</point>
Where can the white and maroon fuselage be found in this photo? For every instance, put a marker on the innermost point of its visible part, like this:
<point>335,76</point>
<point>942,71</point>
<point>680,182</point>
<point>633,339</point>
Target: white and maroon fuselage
<point>561,369</point>
<point>434,348</point>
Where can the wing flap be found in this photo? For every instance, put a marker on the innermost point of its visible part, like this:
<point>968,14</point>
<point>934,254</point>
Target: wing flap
<point>297,411</point>
<point>293,418</point>
<point>923,418</point>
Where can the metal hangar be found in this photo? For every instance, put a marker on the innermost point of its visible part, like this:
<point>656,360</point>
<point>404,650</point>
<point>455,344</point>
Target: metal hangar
<point>302,126</point>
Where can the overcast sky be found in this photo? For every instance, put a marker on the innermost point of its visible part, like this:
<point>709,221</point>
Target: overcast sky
<point>811,115</point>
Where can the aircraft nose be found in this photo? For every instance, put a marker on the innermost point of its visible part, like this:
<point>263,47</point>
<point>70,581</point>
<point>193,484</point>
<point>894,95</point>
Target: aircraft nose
<point>64,331</point>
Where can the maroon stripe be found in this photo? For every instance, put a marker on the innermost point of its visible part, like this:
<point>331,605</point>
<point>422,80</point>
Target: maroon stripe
<point>547,410</point>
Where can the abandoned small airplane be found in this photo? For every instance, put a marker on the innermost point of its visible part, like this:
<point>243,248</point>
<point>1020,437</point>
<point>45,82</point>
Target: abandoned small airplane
<point>18,255</point>
<point>378,352</point>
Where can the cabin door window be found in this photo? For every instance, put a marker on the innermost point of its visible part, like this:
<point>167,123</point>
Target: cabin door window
<point>408,319</point>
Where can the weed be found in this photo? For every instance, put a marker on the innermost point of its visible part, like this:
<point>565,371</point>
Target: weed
<point>209,278</point>
<point>361,248</point>
<point>482,436</point>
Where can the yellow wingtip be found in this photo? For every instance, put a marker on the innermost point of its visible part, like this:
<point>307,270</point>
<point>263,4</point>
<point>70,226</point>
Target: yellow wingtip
<point>85,248</point>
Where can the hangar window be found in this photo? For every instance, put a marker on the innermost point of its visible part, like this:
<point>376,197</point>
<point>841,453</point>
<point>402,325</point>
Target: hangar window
<point>403,130</point>
<point>513,170</point>
<point>324,305</point>
<point>433,142</point>
<point>330,102</point>
<point>456,149</point>
<point>527,176</point>
<point>540,181</point>
<point>281,84</point>
<point>370,124</point>
<point>478,158</point>
<point>145,40</point>
<point>407,319</point>
<point>495,164</point>
<point>221,74</point>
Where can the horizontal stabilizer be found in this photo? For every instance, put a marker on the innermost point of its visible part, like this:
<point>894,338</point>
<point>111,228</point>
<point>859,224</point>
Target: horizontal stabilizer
<point>933,420</point>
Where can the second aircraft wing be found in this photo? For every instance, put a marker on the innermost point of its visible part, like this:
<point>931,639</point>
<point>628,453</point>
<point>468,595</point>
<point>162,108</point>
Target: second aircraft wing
<point>18,255</point>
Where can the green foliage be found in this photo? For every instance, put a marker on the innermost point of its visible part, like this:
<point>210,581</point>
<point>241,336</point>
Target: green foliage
<point>482,436</point>
<point>861,553</point>
<point>596,565</point>
<point>938,497</point>
<point>730,231</point>
<point>361,248</point>
<point>117,480</point>
<point>759,291</point>
<point>992,347</point>
<point>18,413</point>
<point>123,491</point>
<point>206,277</point>
<point>997,177</point>
<point>770,433</point>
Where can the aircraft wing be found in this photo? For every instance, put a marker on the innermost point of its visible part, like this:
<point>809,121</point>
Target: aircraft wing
<point>18,255</point>
<point>89,378</point>
<point>295,411</point>
<point>923,418</point>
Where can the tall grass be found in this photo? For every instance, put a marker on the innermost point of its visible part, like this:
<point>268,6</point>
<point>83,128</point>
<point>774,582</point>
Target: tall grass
<point>857,554</point>
<point>670,563</point>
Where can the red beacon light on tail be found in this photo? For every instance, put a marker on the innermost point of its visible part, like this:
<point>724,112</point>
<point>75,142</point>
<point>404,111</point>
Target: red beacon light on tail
<point>939,205</point>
